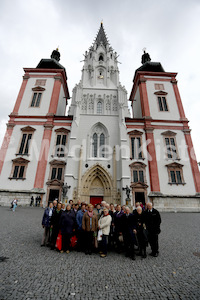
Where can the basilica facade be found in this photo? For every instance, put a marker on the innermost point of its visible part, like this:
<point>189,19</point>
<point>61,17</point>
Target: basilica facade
<point>100,150</point>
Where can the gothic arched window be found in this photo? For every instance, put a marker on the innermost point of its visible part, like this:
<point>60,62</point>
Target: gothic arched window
<point>99,107</point>
<point>102,143</point>
<point>95,144</point>
<point>99,140</point>
<point>100,57</point>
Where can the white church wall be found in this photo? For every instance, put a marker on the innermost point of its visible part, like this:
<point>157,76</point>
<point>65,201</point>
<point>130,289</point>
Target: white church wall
<point>51,153</point>
<point>61,103</point>
<point>71,170</point>
<point>34,150</point>
<point>162,161</point>
<point>80,135</point>
<point>124,170</point>
<point>26,109</point>
<point>172,113</point>
<point>137,111</point>
<point>86,124</point>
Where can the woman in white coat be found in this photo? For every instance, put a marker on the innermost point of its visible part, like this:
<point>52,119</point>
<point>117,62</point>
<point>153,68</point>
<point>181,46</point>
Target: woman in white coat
<point>104,225</point>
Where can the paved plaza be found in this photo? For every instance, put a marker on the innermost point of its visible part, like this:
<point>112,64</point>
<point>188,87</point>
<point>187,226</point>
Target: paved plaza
<point>34,272</point>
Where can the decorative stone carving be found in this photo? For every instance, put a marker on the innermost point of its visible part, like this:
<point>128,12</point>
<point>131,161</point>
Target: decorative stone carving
<point>115,106</point>
<point>84,105</point>
<point>108,105</point>
<point>91,102</point>
<point>97,191</point>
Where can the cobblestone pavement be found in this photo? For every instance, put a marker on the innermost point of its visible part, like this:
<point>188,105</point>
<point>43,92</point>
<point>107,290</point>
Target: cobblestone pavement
<point>34,272</point>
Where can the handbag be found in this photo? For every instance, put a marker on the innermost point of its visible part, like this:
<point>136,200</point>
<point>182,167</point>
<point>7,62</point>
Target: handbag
<point>59,241</point>
<point>99,236</point>
<point>73,241</point>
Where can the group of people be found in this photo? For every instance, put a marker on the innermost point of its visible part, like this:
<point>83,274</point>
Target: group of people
<point>105,227</point>
<point>35,202</point>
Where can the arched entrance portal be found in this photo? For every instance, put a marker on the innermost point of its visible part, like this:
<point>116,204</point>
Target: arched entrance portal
<point>97,185</point>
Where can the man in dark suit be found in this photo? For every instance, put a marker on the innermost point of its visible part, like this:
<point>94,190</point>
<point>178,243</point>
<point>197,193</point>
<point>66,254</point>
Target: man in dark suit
<point>153,221</point>
<point>129,229</point>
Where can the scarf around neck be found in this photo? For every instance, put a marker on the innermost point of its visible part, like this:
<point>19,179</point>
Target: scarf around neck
<point>106,215</point>
<point>90,214</point>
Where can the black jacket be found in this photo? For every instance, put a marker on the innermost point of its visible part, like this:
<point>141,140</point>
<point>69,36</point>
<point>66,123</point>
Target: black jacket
<point>128,223</point>
<point>153,221</point>
<point>55,219</point>
<point>67,222</point>
<point>140,221</point>
<point>117,220</point>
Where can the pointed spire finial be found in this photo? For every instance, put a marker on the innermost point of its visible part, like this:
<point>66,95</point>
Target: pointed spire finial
<point>101,37</point>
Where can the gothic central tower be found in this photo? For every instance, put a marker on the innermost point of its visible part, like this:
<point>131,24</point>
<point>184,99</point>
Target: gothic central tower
<point>99,107</point>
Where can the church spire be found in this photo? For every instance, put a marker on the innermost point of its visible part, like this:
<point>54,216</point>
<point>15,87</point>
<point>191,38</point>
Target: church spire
<point>101,37</point>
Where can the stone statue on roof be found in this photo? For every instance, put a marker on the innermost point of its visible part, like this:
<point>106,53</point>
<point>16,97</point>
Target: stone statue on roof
<point>145,57</point>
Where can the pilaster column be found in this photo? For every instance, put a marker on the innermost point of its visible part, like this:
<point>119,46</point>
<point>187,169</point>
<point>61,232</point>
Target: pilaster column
<point>80,171</point>
<point>55,96</point>
<point>43,157</point>
<point>114,170</point>
<point>144,98</point>
<point>193,161</point>
<point>178,100</point>
<point>5,144</point>
<point>20,95</point>
<point>152,161</point>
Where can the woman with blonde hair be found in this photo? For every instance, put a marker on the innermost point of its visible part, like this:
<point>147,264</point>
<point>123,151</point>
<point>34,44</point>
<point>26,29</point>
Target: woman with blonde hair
<point>104,225</point>
<point>89,225</point>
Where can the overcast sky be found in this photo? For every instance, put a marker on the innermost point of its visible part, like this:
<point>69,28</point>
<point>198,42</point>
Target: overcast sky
<point>169,29</point>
